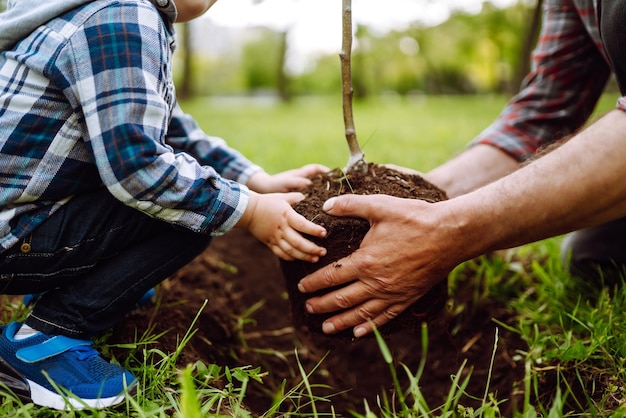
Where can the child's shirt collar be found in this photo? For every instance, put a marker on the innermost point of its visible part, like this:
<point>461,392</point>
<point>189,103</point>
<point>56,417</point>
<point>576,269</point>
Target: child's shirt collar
<point>168,8</point>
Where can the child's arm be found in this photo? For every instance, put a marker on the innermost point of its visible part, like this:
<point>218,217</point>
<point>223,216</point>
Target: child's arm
<point>286,181</point>
<point>272,220</point>
<point>184,134</point>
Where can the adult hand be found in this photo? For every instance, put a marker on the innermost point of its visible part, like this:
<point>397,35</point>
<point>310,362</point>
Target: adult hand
<point>412,244</point>
<point>273,221</point>
<point>286,181</point>
<point>403,255</point>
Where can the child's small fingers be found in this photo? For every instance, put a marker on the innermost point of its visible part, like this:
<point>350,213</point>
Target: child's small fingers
<point>300,223</point>
<point>292,246</point>
<point>278,252</point>
<point>291,252</point>
<point>312,169</point>
<point>301,248</point>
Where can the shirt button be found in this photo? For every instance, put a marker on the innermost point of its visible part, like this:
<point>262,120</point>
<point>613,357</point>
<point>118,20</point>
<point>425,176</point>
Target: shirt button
<point>25,248</point>
<point>163,3</point>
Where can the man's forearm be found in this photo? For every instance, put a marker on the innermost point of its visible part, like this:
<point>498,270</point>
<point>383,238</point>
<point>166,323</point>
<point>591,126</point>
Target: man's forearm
<point>577,185</point>
<point>474,168</point>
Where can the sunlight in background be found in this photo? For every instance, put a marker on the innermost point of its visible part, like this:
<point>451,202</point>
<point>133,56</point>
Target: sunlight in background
<point>315,25</point>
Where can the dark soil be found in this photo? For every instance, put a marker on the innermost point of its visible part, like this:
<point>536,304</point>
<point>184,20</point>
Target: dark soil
<point>248,321</point>
<point>344,236</point>
<point>353,371</point>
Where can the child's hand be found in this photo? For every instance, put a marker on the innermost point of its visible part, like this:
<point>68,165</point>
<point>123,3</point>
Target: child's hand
<point>287,181</point>
<point>272,220</point>
<point>404,170</point>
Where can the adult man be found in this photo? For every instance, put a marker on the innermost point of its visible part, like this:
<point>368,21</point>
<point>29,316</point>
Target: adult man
<point>496,202</point>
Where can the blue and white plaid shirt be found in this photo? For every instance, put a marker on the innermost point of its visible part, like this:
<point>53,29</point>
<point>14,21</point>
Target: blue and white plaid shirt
<point>87,101</point>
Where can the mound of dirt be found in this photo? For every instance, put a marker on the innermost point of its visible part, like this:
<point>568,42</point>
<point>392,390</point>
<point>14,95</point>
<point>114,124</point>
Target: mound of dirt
<point>344,236</point>
<point>240,276</point>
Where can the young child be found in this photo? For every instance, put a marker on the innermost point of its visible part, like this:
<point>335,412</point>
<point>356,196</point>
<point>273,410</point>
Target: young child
<point>107,188</point>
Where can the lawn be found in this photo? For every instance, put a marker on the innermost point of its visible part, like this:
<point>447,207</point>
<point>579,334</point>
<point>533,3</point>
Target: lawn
<point>576,356</point>
<point>417,132</point>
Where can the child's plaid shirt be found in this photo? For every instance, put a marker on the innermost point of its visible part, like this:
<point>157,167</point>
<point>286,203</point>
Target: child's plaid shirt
<point>570,71</point>
<point>87,101</point>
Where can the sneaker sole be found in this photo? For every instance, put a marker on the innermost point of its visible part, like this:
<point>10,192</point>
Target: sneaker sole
<point>44,397</point>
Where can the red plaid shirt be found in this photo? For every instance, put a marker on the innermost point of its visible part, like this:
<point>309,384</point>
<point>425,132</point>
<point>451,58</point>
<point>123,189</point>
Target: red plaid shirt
<point>570,70</point>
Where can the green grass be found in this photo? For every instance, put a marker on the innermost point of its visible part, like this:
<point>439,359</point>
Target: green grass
<point>419,132</point>
<point>579,340</point>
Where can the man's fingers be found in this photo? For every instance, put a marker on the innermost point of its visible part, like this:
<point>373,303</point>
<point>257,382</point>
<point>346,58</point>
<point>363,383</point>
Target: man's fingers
<point>361,206</point>
<point>340,272</point>
<point>362,318</point>
<point>348,296</point>
<point>350,318</point>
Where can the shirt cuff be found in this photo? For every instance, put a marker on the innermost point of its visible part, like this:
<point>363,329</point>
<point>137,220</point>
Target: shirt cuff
<point>238,209</point>
<point>245,175</point>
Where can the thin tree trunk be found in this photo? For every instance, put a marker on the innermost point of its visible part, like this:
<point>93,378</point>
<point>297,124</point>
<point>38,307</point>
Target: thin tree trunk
<point>284,92</point>
<point>356,160</point>
<point>529,44</point>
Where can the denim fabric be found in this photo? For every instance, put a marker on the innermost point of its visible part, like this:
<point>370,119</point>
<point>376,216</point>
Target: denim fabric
<point>94,258</point>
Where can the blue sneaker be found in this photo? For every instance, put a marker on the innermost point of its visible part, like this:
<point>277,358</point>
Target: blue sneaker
<point>147,298</point>
<point>60,372</point>
<point>31,298</point>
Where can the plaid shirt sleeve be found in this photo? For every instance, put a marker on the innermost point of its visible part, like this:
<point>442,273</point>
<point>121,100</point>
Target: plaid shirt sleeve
<point>558,96</point>
<point>185,135</point>
<point>118,74</point>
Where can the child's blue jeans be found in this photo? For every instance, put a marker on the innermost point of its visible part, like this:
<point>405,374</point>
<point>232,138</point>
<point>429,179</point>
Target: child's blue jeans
<point>94,258</point>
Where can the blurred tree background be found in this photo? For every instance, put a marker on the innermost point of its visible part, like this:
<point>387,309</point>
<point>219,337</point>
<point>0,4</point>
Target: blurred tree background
<point>487,52</point>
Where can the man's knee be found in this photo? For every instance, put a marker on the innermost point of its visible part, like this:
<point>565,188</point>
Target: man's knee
<point>597,253</point>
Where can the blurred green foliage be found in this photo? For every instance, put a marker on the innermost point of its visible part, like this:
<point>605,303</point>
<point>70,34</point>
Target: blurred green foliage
<point>468,53</point>
<point>259,58</point>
